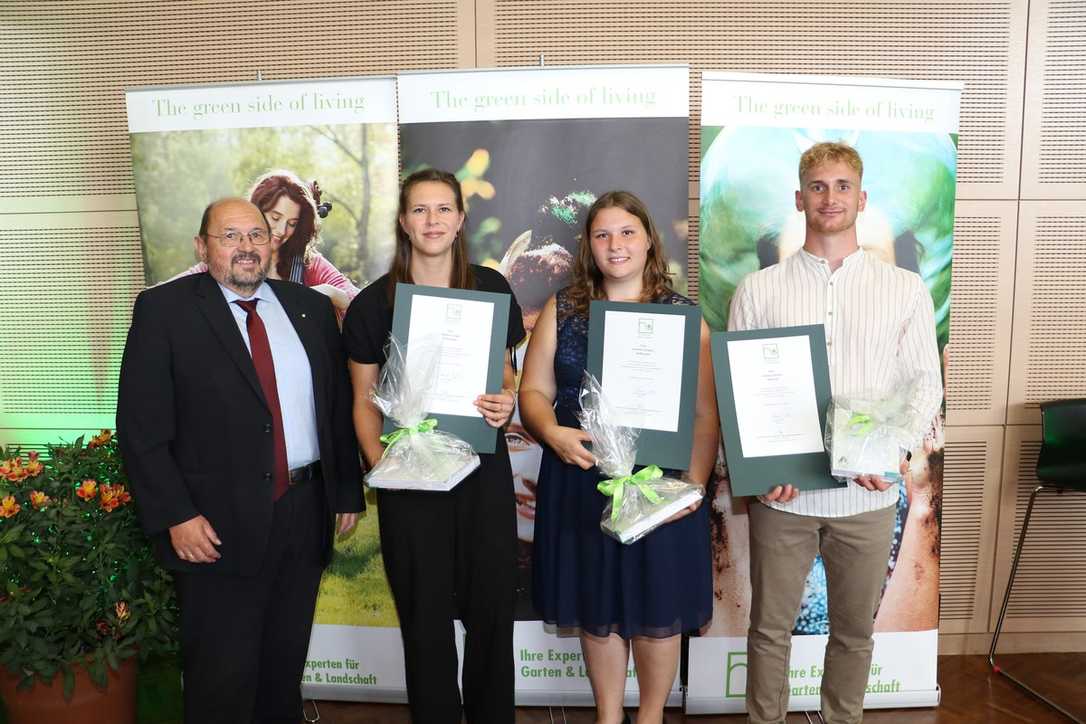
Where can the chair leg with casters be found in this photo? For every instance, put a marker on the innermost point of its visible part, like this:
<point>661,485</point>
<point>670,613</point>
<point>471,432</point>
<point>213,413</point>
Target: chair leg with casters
<point>996,668</point>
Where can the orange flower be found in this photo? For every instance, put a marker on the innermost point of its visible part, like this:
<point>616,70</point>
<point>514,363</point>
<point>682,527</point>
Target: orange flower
<point>112,497</point>
<point>102,438</point>
<point>34,467</point>
<point>39,499</point>
<point>121,494</point>
<point>121,609</point>
<point>8,507</point>
<point>14,471</point>
<point>32,456</point>
<point>5,467</point>
<point>87,489</point>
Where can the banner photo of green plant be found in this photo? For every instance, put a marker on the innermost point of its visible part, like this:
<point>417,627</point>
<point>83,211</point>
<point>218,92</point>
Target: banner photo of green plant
<point>533,149</point>
<point>320,160</point>
<point>754,129</point>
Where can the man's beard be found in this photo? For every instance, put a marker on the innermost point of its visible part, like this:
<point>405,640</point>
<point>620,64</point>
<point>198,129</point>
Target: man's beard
<point>244,280</point>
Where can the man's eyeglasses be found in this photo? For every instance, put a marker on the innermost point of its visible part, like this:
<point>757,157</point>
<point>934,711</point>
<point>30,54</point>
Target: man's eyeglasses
<point>257,237</point>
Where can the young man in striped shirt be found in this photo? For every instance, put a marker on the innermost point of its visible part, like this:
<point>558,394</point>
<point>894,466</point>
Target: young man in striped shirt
<point>880,335</point>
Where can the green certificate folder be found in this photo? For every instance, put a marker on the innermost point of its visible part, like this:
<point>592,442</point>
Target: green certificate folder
<point>646,358</point>
<point>471,364</point>
<point>773,388</point>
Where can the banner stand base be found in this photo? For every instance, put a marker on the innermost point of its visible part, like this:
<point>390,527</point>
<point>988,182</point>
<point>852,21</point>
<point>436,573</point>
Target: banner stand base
<point>897,700</point>
<point>583,699</point>
<point>339,692</point>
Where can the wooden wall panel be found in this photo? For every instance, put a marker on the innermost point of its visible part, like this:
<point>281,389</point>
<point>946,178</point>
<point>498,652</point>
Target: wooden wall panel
<point>1048,343</point>
<point>69,284</point>
<point>970,504</point>
<point>1054,140</point>
<point>980,312</point>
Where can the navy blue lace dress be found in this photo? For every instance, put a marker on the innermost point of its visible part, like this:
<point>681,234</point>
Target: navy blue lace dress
<point>658,586</point>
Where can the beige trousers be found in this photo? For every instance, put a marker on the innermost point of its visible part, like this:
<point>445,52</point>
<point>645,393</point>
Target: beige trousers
<point>855,550</point>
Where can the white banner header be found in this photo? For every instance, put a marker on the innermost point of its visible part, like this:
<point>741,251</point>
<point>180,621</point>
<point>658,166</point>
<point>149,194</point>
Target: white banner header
<point>792,101</point>
<point>545,93</point>
<point>258,105</point>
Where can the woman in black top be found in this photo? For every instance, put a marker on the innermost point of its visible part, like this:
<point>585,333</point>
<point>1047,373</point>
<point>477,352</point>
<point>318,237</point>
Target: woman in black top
<point>448,555</point>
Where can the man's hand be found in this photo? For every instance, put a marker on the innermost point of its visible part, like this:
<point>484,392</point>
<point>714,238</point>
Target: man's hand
<point>780,494</point>
<point>347,521</point>
<point>194,541</point>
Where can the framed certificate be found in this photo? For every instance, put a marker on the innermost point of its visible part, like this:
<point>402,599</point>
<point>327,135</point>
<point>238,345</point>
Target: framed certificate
<point>646,359</point>
<point>773,388</point>
<point>467,330</point>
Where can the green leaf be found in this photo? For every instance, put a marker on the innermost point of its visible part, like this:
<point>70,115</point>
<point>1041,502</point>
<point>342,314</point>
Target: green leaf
<point>96,670</point>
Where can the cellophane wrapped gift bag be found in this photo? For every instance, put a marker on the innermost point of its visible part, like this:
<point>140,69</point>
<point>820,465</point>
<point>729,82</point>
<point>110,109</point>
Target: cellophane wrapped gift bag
<point>418,456</point>
<point>639,502</point>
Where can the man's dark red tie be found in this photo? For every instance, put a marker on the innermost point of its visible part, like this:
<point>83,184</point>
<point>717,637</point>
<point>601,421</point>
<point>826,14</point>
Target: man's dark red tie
<point>265,371</point>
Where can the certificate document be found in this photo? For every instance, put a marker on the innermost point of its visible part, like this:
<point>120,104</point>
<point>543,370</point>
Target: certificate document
<point>455,335</point>
<point>642,368</point>
<point>461,332</point>
<point>646,359</point>
<point>774,390</point>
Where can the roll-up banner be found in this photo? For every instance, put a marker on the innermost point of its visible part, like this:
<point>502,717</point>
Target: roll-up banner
<point>319,158</point>
<point>533,148</point>
<point>754,128</point>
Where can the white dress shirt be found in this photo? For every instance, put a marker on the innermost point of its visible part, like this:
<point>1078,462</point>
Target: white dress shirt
<point>880,335</point>
<point>293,376</point>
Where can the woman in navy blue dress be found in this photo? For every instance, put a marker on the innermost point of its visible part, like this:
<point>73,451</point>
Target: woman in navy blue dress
<point>642,595</point>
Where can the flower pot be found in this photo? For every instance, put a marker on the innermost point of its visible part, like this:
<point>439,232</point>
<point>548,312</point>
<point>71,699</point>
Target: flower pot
<point>45,704</point>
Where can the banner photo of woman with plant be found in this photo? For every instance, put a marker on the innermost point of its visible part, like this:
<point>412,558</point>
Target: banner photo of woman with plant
<point>319,158</point>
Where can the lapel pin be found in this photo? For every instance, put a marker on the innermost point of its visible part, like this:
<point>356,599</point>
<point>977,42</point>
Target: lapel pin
<point>303,315</point>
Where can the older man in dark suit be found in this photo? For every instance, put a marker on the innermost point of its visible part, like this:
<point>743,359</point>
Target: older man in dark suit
<point>234,420</point>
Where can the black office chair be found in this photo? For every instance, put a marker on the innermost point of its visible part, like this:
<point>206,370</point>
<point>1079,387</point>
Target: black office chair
<point>1061,467</point>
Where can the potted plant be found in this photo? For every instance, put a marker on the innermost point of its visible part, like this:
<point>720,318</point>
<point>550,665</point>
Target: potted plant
<point>81,596</point>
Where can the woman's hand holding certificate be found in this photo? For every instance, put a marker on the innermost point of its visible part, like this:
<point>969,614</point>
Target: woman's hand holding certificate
<point>496,409</point>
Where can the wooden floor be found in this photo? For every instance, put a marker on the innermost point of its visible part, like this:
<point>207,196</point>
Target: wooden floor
<point>971,693</point>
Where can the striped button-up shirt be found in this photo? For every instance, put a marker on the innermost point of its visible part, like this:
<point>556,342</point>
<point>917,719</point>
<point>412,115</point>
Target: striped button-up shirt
<point>880,336</point>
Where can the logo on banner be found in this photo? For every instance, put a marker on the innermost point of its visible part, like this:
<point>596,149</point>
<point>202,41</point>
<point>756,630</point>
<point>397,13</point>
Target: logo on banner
<point>735,675</point>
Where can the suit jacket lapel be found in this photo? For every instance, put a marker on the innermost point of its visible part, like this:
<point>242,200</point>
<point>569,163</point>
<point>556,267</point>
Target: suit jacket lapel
<point>213,305</point>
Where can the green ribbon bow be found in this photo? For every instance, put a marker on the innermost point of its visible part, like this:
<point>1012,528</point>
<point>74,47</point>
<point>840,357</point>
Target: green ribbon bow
<point>860,424</point>
<point>616,487</point>
<point>425,426</point>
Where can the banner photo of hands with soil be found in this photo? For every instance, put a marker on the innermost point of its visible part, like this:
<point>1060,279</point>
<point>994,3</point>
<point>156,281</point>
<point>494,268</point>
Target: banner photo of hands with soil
<point>754,129</point>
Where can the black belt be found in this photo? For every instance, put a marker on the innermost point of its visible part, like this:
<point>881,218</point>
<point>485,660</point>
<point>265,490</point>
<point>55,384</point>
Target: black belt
<point>305,474</point>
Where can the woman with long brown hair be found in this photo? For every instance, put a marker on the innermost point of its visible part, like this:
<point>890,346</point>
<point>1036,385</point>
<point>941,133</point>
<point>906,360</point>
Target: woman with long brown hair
<point>448,555</point>
<point>642,595</point>
<point>290,207</point>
